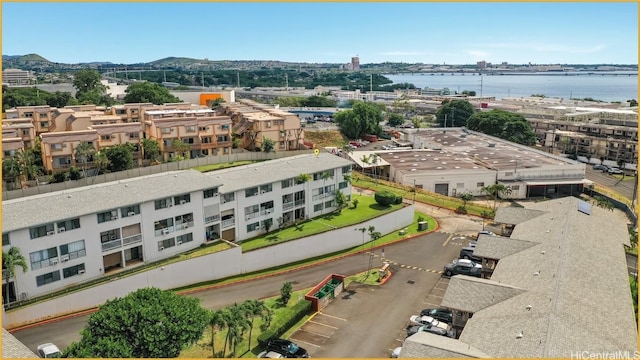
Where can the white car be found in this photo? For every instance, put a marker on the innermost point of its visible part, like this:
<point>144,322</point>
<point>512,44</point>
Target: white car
<point>396,352</point>
<point>431,322</point>
<point>49,350</point>
<point>270,355</point>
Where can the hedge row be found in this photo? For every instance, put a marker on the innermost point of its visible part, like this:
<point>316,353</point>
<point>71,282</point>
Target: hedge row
<point>283,323</point>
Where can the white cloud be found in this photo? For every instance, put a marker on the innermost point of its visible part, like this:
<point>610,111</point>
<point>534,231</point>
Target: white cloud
<point>478,55</point>
<point>401,53</point>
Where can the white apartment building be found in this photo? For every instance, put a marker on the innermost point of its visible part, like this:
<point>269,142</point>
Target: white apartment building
<point>74,236</point>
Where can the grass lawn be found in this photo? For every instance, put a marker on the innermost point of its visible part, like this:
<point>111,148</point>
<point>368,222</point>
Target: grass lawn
<point>366,182</point>
<point>367,209</point>
<point>211,167</point>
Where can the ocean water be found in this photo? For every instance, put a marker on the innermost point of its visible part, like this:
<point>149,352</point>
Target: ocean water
<point>620,86</point>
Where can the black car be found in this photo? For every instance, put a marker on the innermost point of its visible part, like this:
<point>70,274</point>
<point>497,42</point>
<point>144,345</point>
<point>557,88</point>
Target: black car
<point>441,314</point>
<point>426,328</point>
<point>287,348</point>
<point>467,253</point>
<point>463,267</point>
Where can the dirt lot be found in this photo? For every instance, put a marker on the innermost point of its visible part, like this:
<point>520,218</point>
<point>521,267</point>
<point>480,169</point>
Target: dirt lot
<point>322,138</point>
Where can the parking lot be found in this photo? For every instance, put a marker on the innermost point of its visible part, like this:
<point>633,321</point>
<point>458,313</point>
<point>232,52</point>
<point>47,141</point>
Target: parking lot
<point>350,326</point>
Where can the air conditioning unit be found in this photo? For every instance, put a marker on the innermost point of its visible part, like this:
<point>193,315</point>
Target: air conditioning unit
<point>61,230</point>
<point>165,231</point>
<point>185,226</point>
<point>169,205</point>
<point>161,248</point>
<point>112,237</point>
<point>53,261</point>
<point>64,258</point>
<point>263,191</point>
<point>114,214</point>
<point>51,232</point>
<point>179,242</point>
<point>81,271</point>
<point>182,202</point>
<point>258,227</point>
<point>131,213</point>
<point>268,212</point>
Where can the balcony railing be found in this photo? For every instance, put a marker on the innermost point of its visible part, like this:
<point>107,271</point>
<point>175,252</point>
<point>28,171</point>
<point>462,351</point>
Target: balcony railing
<point>266,211</point>
<point>287,205</point>
<point>299,202</point>
<point>211,219</point>
<point>251,215</point>
<point>184,225</point>
<point>227,223</point>
<point>164,231</point>
<point>112,244</point>
<point>132,239</point>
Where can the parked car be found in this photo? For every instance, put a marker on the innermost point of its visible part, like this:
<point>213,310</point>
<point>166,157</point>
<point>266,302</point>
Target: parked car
<point>615,170</point>
<point>287,348</point>
<point>467,253</point>
<point>486,232</point>
<point>270,355</point>
<point>463,267</point>
<point>599,167</point>
<point>423,320</point>
<point>427,328</point>
<point>441,314</point>
<point>49,350</point>
<point>396,352</point>
<point>473,244</point>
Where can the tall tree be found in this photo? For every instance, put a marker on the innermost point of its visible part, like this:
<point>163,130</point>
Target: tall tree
<point>84,154</point>
<point>363,118</point>
<point>180,147</point>
<point>216,321</point>
<point>61,99</point>
<point>142,92</point>
<point>88,80</point>
<point>151,149</point>
<point>254,308</point>
<point>147,323</point>
<point>11,260</point>
<point>457,113</point>
<point>285,292</point>
<point>503,124</point>
<point>268,145</point>
<point>120,157</point>
<point>495,191</point>
<point>395,120</point>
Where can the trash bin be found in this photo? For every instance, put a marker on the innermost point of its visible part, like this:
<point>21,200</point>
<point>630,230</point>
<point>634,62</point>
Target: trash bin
<point>423,225</point>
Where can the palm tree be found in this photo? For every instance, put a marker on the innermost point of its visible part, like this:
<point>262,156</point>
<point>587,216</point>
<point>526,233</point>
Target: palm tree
<point>10,260</point>
<point>495,190</point>
<point>11,168</point>
<point>465,198</point>
<point>253,308</point>
<point>84,152</point>
<point>226,321</point>
<point>374,161</point>
<point>151,149</point>
<point>216,321</point>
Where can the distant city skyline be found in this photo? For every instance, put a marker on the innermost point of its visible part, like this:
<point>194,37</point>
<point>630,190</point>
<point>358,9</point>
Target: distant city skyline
<point>431,33</point>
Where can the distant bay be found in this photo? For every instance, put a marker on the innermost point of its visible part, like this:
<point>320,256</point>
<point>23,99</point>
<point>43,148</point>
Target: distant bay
<point>605,86</point>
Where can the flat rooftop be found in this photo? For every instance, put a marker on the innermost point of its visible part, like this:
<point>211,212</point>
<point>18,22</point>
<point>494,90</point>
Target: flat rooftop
<point>457,149</point>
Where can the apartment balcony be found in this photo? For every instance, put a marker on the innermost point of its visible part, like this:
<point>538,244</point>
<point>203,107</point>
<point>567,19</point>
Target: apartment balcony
<point>184,225</point>
<point>251,215</point>
<point>299,202</point>
<point>112,244</point>
<point>132,239</point>
<point>228,223</point>
<point>222,144</point>
<point>266,211</point>
<point>211,219</point>
<point>287,205</point>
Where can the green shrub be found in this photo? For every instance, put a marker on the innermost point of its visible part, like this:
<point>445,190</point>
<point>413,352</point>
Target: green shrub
<point>385,198</point>
<point>398,200</point>
<point>461,210</point>
<point>266,336</point>
<point>284,322</point>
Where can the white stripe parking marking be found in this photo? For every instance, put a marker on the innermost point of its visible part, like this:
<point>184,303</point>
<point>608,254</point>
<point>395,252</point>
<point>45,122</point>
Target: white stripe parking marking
<point>331,316</point>
<point>329,326</point>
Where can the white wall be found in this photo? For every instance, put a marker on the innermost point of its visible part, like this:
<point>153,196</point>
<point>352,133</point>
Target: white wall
<point>209,267</point>
<point>469,179</point>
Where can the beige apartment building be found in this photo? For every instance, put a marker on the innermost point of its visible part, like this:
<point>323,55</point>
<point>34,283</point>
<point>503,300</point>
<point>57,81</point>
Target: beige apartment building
<point>206,133</point>
<point>59,148</point>
<point>21,128</point>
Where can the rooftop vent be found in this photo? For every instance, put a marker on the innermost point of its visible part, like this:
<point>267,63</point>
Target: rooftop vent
<point>439,168</point>
<point>520,335</point>
<point>491,145</point>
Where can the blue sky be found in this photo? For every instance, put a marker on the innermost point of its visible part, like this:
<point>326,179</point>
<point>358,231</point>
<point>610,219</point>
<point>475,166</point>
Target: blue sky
<point>451,33</point>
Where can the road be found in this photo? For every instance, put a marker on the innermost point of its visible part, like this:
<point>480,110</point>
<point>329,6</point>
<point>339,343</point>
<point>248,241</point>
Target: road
<point>625,187</point>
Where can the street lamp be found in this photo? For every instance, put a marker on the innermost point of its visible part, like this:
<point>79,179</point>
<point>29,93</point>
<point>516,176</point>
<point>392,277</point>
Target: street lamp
<point>415,190</point>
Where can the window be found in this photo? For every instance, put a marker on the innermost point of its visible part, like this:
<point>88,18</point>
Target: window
<point>72,250</point>
<point>109,235</point>
<point>251,192</point>
<point>225,150</point>
<point>105,137</point>
<point>328,204</point>
<point>206,140</point>
<point>223,138</point>
<point>203,128</point>
<point>25,132</point>
<point>224,127</point>
<point>5,239</point>
<point>281,144</point>
<point>166,130</point>
<point>515,187</point>
<point>56,146</point>
<point>165,244</point>
<point>73,271</point>
<point>228,197</point>
<point>188,140</point>
<point>286,183</point>
<point>163,226</point>
<point>182,199</point>
<point>209,193</point>
<point>342,185</point>
<point>317,207</point>
<point>40,259</point>
<point>346,169</point>
<point>130,210</point>
<point>163,203</point>
<point>253,227</point>
<point>250,210</point>
<point>42,230</point>
<point>508,173</point>
<point>48,278</point>
<point>44,124</point>
<point>480,184</point>
<point>107,216</point>
<point>184,238</point>
<point>267,124</point>
<point>184,219</point>
<point>265,188</point>
<point>191,128</point>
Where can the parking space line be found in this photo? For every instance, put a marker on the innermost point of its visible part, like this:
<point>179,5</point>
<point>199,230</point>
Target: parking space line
<point>308,343</point>
<point>329,326</point>
<point>446,241</point>
<point>331,316</point>
<point>437,296</point>
<point>315,333</point>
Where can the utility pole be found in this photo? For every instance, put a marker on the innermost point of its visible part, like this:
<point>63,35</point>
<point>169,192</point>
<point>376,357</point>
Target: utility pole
<point>414,191</point>
<point>481,78</point>
<point>238,74</point>
<point>445,120</point>
<point>286,79</point>
<point>370,82</point>
<point>202,73</point>
<point>453,119</point>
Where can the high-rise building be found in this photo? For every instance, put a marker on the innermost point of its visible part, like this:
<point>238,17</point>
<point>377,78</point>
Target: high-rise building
<point>355,63</point>
<point>482,64</point>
